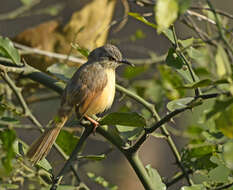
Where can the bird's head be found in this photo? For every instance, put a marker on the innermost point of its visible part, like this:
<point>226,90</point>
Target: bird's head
<point>109,56</point>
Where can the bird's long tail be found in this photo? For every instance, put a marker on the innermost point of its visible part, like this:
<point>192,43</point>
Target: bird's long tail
<point>41,147</point>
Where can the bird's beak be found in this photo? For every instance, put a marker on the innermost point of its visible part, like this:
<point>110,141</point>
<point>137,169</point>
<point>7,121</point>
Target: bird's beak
<point>127,62</point>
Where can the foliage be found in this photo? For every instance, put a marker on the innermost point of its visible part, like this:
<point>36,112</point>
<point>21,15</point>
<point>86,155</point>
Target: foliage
<point>195,75</point>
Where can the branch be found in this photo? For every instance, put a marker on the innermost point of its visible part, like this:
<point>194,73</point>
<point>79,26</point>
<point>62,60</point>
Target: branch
<point>164,131</point>
<point>17,91</point>
<point>176,178</point>
<point>180,54</point>
<point>220,29</point>
<point>220,12</point>
<point>30,72</point>
<point>87,131</point>
<point>150,130</point>
<point>44,79</point>
<point>49,54</point>
<point>200,16</point>
<point>203,35</point>
<point>223,187</point>
<point>27,112</point>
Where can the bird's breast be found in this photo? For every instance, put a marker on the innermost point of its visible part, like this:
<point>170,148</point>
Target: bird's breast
<point>105,100</point>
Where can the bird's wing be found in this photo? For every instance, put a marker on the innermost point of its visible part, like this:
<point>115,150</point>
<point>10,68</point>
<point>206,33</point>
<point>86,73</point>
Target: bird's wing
<point>85,86</point>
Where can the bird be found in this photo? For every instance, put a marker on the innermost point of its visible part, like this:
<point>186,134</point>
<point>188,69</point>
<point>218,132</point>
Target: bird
<point>91,90</point>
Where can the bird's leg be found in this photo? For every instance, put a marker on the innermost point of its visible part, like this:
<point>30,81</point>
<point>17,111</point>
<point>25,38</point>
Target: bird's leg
<point>94,122</point>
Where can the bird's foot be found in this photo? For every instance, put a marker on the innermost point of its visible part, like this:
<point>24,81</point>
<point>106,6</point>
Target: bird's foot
<point>94,122</point>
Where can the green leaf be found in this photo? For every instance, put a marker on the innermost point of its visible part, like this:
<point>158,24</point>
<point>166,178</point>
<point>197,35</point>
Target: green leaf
<point>198,156</point>
<point>223,66</point>
<point>218,107</point>
<point>186,43</point>
<point>142,19</point>
<point>129,133</point>
<point>228,154</point>
<point>194,187</point>
<point>173,60</point>
<point>169,34</point>
<point>178,104</point>
<point>132,119</point>
<point>62,71</point>
<point>7,138</point>
<point>200,55</point>
<point>83,51</point>
<point>67,141</point>
<point>93,157</point>
<point>219,174</point>
<point>20,147</point>
<point>149,89</point>
<point>8,50</point>
<point>45,165</point>
<point>166,12</point>
<point>155,178</point>
<point>201,83</point>
<point>224,122</point>
<point>184,72</point>
<point>170,81</point>
<point>101,181</point>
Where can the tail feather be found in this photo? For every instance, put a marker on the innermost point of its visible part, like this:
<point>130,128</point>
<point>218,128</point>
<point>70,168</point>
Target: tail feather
<point>41,147</point>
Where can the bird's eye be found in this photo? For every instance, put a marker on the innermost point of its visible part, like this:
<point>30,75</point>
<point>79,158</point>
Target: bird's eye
<point>111,58</point>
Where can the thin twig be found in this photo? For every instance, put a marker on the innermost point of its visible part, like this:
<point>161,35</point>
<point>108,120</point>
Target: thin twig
<point>220,12</point>
<point>180,54</point>
<point>17,12</point>
<point>164,131</point>
<point>17,91</point>
<point>49,54</point>
<point>176,178</point>
<point>30,72</point>
<point>223,187</point>
<point>220,29</point>
<point>200,16</point>
<point>27,112</point>
<point>27,49</point>
<point>36,75</point>
<point>204,36</point>
<point>124,21</point>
